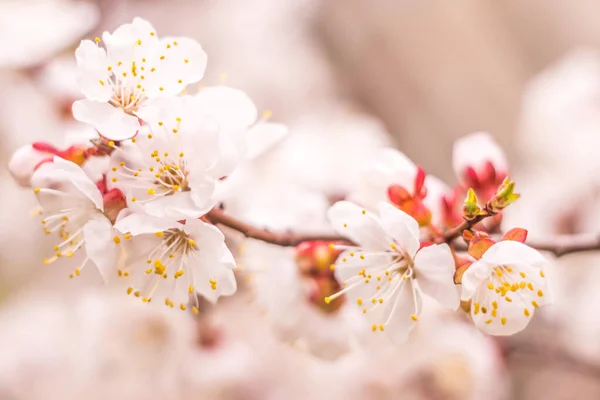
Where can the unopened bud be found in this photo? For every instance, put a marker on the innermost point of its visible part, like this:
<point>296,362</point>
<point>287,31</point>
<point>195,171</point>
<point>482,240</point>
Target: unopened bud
<point>471,209</point>
<point>504,196</point>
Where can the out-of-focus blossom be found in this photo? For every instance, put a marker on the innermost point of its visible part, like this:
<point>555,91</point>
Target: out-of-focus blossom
<point>478,159</point>
<point>73,208</point>
<point>506,286</point>
<point>33,31</point>
<point>170,261</point>
<point>393,177</point>
<point>386,272</point>
<point>134,69</point>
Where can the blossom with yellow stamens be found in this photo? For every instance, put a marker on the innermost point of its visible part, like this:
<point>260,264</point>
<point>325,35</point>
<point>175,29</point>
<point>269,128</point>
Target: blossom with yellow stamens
<point>386,273</point>
<point>170,261</point>
<point>505,287</point>
<point>134,69</point>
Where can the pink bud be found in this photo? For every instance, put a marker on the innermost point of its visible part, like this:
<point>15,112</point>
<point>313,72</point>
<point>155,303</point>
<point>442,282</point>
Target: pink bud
<point>24,161</point>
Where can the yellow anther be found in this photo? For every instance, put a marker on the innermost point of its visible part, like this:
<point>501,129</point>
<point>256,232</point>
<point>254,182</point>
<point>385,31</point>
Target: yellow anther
<point>129,290</point>
<point>122,163</point>
<point>509,269</point>
<point>179,81</point>
<point>114,169</point>
<point>490,286</point>
<point>362,257</point>
<point>530,286</point>
<point>526,312</point>
<point>97,39</point>
<point>148,271</point>
<point>162,57</point>
<point>508,299</point>
<point>503,320</point>
<point>522,285</point>
<point>145,299</point>
<point>137,294</point>
<point>364,311</point>
<point>344,259</point>
<point>114,179</point>
<point>495,304</point>
<point>484,310</point>
<point>380,301</point>
<point>359,301</point>
<point>345,225</point>
<point>414,317</point>
<point>159,234</point>
<point>139,42</point>
<point>178,273</point>
<point>373,301</point>
<point>175,130</point>
<point>327,300</point>
<point>476,307</point>
<point>133,199</point>
<point>489,321</point>
<point>151,191</point>
<point>542,274</point>
<point>186,61</point>
<point>381,327</point>
<point>191,242</point>
<point>195,310</point>
<point>124,74</point>
<point>161,88</point>
<point>175,43</point>
<point>77,271</point>
<point>55,248</point>
<point>374,327</point>
<point>535,304</point>
<point>149,136</point>
<point>109,68</point>
<point>351,254</point>
<point>168,45</point>
<point>364,212</point>
<point>101,82</point>
<point>499,273</point>
<point>117,239</point>
<point>393,246</point>
<point>71,276</point>
<point>332,267</point>
<point>125,274</point>
<point>540,293</point>
<point>523,275</point>
<point>152,33</point>
<point>120,273</point>
<point>36,190</point>
<point>494,313</point>
<point>181,154</point>
<point>191,289</point>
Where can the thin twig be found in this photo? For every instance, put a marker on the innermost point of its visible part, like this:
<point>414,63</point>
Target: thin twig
<point>458,230</point>
<point>286,239</point>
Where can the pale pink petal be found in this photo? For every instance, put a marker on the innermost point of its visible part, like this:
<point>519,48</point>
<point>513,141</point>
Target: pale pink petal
<point>264,136</point>
<point>93,78</point>
<point>100,246</point>
<point>137,224</point>
<point>358,225</point>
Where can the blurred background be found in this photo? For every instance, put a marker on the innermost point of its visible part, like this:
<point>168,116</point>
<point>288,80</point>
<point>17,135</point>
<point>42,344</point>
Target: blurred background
<point>347,77</point>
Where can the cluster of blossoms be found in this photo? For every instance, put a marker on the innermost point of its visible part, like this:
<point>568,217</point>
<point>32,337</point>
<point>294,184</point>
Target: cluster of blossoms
<point>136,202</point>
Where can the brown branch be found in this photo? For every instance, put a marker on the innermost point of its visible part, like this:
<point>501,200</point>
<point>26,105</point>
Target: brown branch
<point>458,230</point>
<point>286,239</point>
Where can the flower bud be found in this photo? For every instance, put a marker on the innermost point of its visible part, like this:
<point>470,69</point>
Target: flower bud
<point>516,234</point>
<point>471,209</point>
<point>504,196</point>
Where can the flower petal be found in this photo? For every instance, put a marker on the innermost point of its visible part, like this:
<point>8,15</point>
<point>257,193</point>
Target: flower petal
<point>111,122</point>
<point>137,224</point>
<point>23,162</point>
<point>93,71</point>
<point>434,267</point>
<point>512,252</point>
<point>359,225</point>
<point>228,105</point>
<point>401,227</point>
<point>100,246</point>
<point>397,314</point>
<point>473,277</point>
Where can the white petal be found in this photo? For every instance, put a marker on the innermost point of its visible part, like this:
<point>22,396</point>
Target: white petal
<point>178,206</point>
<point>137,224</point>
<point>63,174</point>
<point>111,122</point>
<point>93,76</point>
<point>358,225</point>
<point>173,73</point>
<point>264,136</point>
<point>434,267</point>
<point>23,163</point>
<point>475,151</point>
<point>100,246</point>
<point>473,278</point>
<point>400,226</point>
<point>512,252</point>
<point>129,43</point>
<point>398,312</point>
<point>514,312</point>
<point>208,237</point>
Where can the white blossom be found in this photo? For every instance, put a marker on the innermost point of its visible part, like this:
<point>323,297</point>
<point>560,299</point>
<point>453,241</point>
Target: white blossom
<point>506,286</point>
<point>72,208</point>
<point>386,272</point>
<point>134,69</point>
<point>170,261</point>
